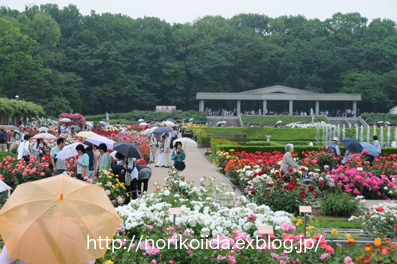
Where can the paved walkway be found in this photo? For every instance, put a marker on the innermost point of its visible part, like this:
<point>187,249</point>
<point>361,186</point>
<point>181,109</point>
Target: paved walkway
<point>197,166</point>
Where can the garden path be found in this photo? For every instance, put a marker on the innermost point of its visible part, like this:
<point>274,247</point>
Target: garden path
<point>197,166</point>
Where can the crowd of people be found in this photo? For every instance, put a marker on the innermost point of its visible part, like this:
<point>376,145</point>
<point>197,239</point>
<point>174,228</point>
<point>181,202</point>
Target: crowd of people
<point>219,112</point>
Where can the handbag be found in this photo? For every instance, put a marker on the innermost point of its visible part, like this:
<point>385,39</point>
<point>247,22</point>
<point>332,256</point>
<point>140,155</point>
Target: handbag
<point>179,165</point>
<point>83,171</point>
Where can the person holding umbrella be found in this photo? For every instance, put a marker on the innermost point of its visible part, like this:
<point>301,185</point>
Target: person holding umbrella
<point>352,147</point>
<point>167,150</point>
<point>82,162</point>
<point>161,155</point>
<point>90,154</point>
<point>105,158</point>
<point>131,174</point>
<point>39,148</point>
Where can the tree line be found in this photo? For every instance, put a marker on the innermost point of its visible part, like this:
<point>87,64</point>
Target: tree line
<point>63,60</point>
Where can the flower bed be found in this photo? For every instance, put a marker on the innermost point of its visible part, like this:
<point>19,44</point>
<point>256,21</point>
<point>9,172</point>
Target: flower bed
<point>262,181</point>
<point>380,220</point>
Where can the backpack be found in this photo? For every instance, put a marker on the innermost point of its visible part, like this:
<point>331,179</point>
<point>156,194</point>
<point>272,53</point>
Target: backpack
<point>3,137</point>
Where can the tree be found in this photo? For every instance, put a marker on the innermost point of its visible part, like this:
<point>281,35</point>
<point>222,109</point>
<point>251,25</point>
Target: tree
<point>17,56</point>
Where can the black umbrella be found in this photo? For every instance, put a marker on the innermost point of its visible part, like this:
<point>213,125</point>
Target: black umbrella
<point>127,150</point>
<point>148,121</point>
<point>352,144</point>
<point>43,126</point>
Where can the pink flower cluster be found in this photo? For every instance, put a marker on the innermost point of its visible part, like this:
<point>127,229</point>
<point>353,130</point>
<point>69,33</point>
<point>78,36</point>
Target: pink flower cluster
<point>352,180</point>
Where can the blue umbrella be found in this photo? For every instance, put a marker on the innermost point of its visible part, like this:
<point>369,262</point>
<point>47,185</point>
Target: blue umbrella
<point>191,119</point>
<point>14,127</point>
<point>162,130</point>
<point>170,119</point>
<point>371,149</point>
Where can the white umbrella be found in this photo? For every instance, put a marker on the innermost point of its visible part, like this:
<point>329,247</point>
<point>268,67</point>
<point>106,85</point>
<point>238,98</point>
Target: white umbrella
<point>143,124</point>
<point>45,136</point>
<point>147,132</point>
<point>4,187</point>
<point>90,124</point>
<point>141,120</point>
<point>279,121</point>
<point>65,120</point>
<point>169,123</point>
<point>69,151</point>
<point>41,129</point>
<point>97,140</point>
<point>186,143</point>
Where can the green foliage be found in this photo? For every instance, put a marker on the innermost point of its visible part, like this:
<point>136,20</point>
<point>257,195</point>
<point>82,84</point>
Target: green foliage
<point>19,108</point>
<point>259,133</point>
<point>339,204</point>
<point>6,154</point>
<point>271,120</point>
<point>370,118</point>
<point>199,117</point>
<point>106,62</point>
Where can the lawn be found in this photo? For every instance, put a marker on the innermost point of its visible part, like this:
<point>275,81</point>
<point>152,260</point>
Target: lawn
<point>6,154</point>
<point>271,120</point>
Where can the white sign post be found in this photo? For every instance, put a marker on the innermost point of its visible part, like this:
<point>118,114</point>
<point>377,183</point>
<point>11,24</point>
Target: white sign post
<point>304,210</point>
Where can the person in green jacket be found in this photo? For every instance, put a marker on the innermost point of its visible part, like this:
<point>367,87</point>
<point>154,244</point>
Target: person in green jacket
<point>178,155</point>
<point>105,158</point>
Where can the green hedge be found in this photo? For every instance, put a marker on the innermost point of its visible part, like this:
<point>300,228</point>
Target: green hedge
<point>221,142</point>
<point>271,120</point>
<point>259,133</point>
<point>199,117</point>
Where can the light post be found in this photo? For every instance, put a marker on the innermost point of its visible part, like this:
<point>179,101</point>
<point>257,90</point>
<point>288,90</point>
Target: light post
<point>17,97</point>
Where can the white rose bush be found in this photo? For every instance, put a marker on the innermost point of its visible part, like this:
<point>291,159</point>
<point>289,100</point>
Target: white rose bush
<point>213,226</point>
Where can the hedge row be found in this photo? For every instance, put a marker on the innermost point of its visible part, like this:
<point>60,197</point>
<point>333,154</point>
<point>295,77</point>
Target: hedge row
<point>271,120</point>
<point>298,149</point>
<point>259,133</point>
<point>199,117</point>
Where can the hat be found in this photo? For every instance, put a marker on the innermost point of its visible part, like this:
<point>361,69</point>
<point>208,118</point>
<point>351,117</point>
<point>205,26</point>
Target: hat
<point>335,139</point>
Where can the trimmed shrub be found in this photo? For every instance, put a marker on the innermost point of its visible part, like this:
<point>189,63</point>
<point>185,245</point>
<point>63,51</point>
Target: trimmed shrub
<point>339,204</point>
<point>271,120</point>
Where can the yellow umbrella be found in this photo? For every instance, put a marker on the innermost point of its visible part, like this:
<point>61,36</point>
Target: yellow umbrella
<point>58,220</point>
<point>86,134</point>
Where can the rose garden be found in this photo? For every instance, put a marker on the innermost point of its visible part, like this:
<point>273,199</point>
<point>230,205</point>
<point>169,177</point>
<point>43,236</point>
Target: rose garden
<point>218,226</point>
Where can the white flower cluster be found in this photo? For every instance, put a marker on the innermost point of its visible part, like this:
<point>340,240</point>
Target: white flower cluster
<point>42,120</point>
<point>204,215</point>
<point>309,125</point>
<point>115,127</point>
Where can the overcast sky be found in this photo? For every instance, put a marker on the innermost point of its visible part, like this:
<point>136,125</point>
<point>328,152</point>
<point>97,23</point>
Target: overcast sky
<point>182,11</point>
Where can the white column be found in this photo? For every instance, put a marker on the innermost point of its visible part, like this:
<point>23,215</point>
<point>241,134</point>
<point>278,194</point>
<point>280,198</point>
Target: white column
<point>317,108</point>
<point>238,107</point>
<point>291,107</point>
<point>355,108</point>
<point>264,107</point>
<point>201,105</point>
